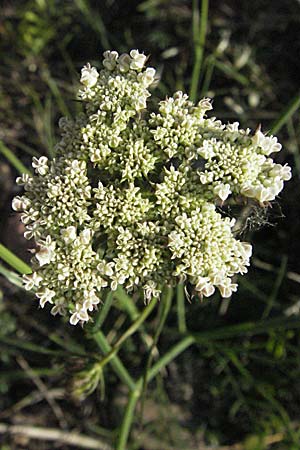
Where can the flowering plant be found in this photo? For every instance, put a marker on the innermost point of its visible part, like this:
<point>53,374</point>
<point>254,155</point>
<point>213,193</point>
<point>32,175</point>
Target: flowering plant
<point>133,194</point>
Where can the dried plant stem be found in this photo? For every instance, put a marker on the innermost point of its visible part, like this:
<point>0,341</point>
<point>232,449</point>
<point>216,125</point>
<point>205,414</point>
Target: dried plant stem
<point>53,434</point>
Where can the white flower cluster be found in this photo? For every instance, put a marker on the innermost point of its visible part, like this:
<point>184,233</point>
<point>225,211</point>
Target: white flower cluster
<point>130,198</point>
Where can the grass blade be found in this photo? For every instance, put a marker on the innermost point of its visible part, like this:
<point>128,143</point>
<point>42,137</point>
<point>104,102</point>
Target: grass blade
<point>14,261</point>
<point>13,159</point>
<point>12,277</point>
<point>286,114</point>
<point>199,36</point>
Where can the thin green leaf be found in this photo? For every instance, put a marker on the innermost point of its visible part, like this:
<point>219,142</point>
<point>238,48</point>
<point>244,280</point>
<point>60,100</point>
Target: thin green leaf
<point>14,261</point>
<point>13,159</point>
<point>288,112</point>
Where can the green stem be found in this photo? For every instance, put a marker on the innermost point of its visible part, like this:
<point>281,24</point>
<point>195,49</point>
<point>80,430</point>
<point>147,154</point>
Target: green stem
<point>165,305</point>
<point>128,419</point>
<point>181,309</point>
<point>199,35</point>
<point>127,304</point>
<point>131,330</point>
<point>15,262</point>
<point>102,314</point>
<point>134,396</point>
<point>116,363</point>
<point>170,356</point>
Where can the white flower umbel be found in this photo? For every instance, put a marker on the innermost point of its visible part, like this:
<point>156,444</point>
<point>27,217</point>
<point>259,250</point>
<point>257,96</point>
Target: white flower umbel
<point>137,198</point>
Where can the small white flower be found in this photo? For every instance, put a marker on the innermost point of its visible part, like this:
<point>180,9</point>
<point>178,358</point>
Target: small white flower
<point>124,62</point>
<point>106,268</point>
<point>222,191</point>
<point>205,104</point>
<point>246,250</point>
<point>204,286</point>
<point>269,144</point>
<point>24,180</point>
<point>227,288</point>
<point>69,234</point>
<point>45,296</point>
<point>40,165</point>
<point>31,281</point>
<point>89,76</point>
<point>59,307</point>
<point>207,150</point>
<point>91,300</point>
<point>20,203</point>
<point>284,172</point>
<point>147,77</point>
<point>110,59</point>
<point>80,315</point>
<point>46,252</point>
<point>233,127</point>
<point>86,236</point>
<point>138,60</point>
<point>150,290</point>
<point>248,190</point>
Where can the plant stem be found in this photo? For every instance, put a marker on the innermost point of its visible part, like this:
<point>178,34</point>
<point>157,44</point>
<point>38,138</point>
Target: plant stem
<point>164,309</point>
<point>116,363</point>
<point>199,35</point>
<point>102,314</point>
<point>131,330</point>
<point>134,396</point>
<point>128,418</point>
<point>181,309</point>
<point>13,260</point>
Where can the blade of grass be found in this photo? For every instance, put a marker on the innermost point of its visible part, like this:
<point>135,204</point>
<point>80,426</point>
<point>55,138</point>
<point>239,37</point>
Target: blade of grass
<point>276,287</point>
<point>14,261</point>
<point>12,277</point>
<point>230,71</point>
<point>53,86</point>
<point>210,65</point>
<point>296,145</point>
<point>26,148</point>
<point>29,346</point>
<point>14,375</point>
<point>95,21</point>
<point>288,112</point>
<point>13,159</point>
<point>199,36</point>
